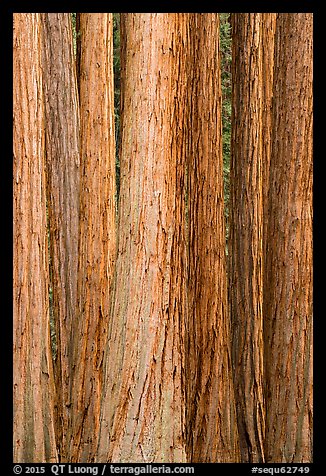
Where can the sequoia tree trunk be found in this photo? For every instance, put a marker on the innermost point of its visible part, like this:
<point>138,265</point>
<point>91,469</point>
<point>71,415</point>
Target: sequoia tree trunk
<point>288,295</point>
<point>33,426</point>
<point>143,404</point>
<point>211,416</point>
<point>62,161</point>
<point>97,239</point>
<point>246,231</point>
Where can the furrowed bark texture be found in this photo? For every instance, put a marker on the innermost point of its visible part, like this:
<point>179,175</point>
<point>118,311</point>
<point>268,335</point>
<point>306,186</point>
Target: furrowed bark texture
<point>246,228</point>
<point>143,406</point>
<point>97,241</point>
<point>62,162</point>
<point>33,426</point>
<point>211,415</point>
<point>267,44</point>
<point>288,300</point>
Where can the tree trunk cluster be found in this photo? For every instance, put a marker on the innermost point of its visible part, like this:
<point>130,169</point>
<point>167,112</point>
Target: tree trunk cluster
<point>171,344</point>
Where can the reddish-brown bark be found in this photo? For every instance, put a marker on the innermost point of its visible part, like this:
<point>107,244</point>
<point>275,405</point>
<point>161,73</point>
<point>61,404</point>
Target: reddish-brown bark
<point>62,171</point>
<point>211,417</point>
<point>143,404</point>
<point>33,425</point>
<point>97,230</point>
<point>246,233</point>
<point>288,273</point>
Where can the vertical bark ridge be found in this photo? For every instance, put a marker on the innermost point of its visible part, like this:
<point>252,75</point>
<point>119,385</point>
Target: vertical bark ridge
<point>33,426</point>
